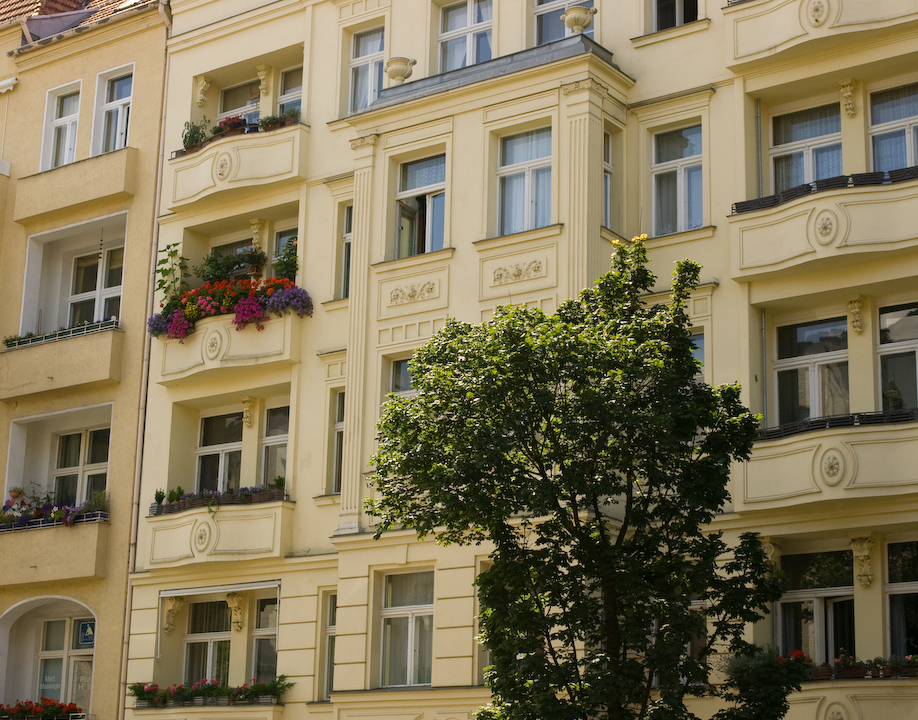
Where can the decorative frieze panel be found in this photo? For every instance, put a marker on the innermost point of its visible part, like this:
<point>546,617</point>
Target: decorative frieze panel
<point>409,332</point>
<point>412,293</point>
<point>518,270</point>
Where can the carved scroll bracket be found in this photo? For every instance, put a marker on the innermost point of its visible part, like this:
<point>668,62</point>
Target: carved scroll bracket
<point>236,602</point>
<point>173,605</point>
<point>861,547</point>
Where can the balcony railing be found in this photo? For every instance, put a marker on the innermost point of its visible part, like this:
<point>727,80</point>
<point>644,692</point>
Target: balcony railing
<point>79,330</point>
<point>834,183</point>
<point>838,421</point>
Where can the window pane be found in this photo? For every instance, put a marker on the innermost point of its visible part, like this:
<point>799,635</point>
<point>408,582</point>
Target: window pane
<point>54,635</point>
<point>665,197</point>
<point>360,87</point>
<point>896,104</point>
<point>806,124</point>
<point>278,421</point>
<point>841,615</point>
<point>82,313</point>
<point>112,308</point>
<point>698,347</point>
<point>95,483</point>
<point>98,446</point>
<point>827,161</point>
<point>666,14</point>
<point>110,130</point>
<point>113,267</point>
<point>60,154</point>
<point>292,80</point>
<point>68,450</point>
<point>85,274</point>
<point>409,589</point>
<point>395,651</point>
<point>807,571</point>
<point>232,470</point>
<point>833,389</point>
<point>482,46</point>
<point>329,665</point>
<point>789,171</point>
<point>84,634</point>
<point>339,456</point>
<point>275,462</point>
<point>903,624</point>
<point>407,228</point>
<point>693,204</point>
<point>267,613</point>
<point>68,105</point>
<point>897,377</point>
<point>903,562</point>
<point>265,659</point>
<point>195,661</point>
<point>798,631</point>
<point>452,54</point>
<point>793,395</point>
<point>120,88</point>
<point>549,27</point>
<point>481,11</point>
<point>208,473</point>
<point>401,377</point>
<point>65,489</point>
<point>423,649</point>
<point>678,144</point>
<point>453,17</point>
<point>81,681</point>
<point>238,98</point>
<point>208,617</point>
<point>368,43</point>
<point>51,678</point>
<point>221,429</point>
<point>541,197</point>
<point>220,662</point>
<point>339,407</point>
<point>512,203</point>
<point>813,338</point>
<point>525,147</point>
<point>422,173</point>
<point>889,151</point>
<point>898,323</point>
<point>437,210</point>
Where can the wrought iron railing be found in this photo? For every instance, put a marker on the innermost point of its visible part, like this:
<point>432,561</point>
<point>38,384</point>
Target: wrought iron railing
<point>888,417</point>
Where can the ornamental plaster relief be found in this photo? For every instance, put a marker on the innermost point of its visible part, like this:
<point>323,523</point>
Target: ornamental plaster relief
<point>418,292</point>
<point>504,274</point>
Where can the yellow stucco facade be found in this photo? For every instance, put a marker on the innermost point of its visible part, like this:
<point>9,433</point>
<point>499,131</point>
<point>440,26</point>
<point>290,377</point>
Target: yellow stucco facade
<point>772,141</point>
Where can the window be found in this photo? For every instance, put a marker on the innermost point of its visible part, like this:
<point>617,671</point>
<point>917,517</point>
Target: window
<point>524,181</point>
<point>264,640</point>
<point>902,592</point>
<point>116,112</point>
<point>81,467</point>
<point>220,455</point>
<point>465,34</point>
<point>344,280</point>
<point>407,629</point>
<point>894,128</point>
<point>898,368</point>
<point>241,100</point>
<point>337,442</point>
<point>331,620</point>
<point>66,659</point>
<point>548,23</point>
<point>806,146</point>
<point>677,181</point>
<point>402,382</point>
<point>281,240</point>
<point>421,206</point>
<point>95,288</point>
<point>812,370</point>
<point>698,352</point>
<point>671,13</point>
<point>274,444</point>
<point>816,614</point>
<point>65,110</point>
<point>207,642</point>
<point>366,69</point>
<point>291,91</point>
<point>607,180</point>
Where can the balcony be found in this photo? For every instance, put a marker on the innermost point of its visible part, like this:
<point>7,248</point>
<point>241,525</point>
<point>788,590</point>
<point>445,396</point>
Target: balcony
<point>239,162</point>
<point>233,712</point>
<point>853,457</point>
<point>91,356</point>
<point>761,29</point>
<point>876,698</point>
<point>52,552</point>
<point>221,533</point>
<point>215,348</point>
<point>104,178</point>
<point>834,221</point>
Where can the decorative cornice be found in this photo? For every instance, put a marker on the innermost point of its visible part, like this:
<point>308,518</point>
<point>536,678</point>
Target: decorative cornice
<point>365,140</point>
<point>583,85</point>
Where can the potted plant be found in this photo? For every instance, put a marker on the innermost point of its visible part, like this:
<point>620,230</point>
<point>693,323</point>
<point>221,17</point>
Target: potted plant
<point>271,122</point>
<point>880,667</point>
<point>194,134</point>
<point>277,493</point>
<point>909,667</point>
<point>285,262</point>
<point>15,492</point>
<point>848,666</point>
<point>291,116</point>
<point>235,125</point>
<point>156,508</point>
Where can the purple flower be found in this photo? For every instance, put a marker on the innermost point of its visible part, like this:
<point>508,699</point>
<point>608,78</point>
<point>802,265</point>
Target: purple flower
<point>158,324</point>
<point>282,301</point>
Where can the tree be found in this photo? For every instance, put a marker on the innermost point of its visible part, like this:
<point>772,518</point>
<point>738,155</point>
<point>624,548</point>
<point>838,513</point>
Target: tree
<point>585,448</point>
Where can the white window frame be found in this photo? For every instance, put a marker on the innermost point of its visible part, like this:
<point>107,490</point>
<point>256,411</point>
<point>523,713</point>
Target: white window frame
<point>337,445</point>
<point>222,450</point>
<point>680,14</point>
<point>681,166</point>
<point>525,168</point>
<point>607,170</point>
<point>294,96</point>
<point>909,587</point>
<point>397,364</point>
<point>902,347</point>
<point>412,613</point>
<point>83,469</point>
<point>557,8</point>
<point>374,64</point>
<point>249,112</point>
<point>909,125</point>
<point>100,294</point>
<point>420,241</point>
<point>205,637</point>
<point>813,364</point>
<point>328,645</point>
<point>69,125</point>
<point>67,655</point>
<point>285,235</point>
<point>264,633</point>
<point>823,619</point>
<point>807,147</point>
<point>344,281</point>
<point>273,441</point>
<point>469,31</point>
<point>121,108</point>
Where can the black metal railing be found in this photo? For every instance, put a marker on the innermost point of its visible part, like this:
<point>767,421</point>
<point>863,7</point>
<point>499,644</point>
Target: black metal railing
<point>889,417</point>
<point>86,329</point>
<point>833,183</point>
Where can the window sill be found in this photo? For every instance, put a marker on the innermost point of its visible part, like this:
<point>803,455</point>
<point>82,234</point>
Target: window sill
<point>673,32</point>
<point>326,500</point>
<point>681,237</point>
<point>610,236</point>
<point>520,237</point>
<point>414,260</point>
<point>338,304</point>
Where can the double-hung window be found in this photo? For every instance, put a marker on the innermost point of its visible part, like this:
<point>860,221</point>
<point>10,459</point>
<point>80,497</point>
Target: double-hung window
<point>548,23</point>
<point>207,642</point>
<point>81,467</point>
<point>902,591</point>
<point>465,34</point>
<point>347,228</point>
<point>242,100</point>
<point>894,128</point>
<point>806,146</point>
<point>407,629</point>
<point>607,180</point>
<point>64,128</point>
<point>264,640</point>
<point>291,91</point>
<point>816,614</point>
<point>220,454</point>
<point>812,370</point>
<point>421,210</point>
<point>524,181</point>
<point>677,181</point>
<point>337,442</point>
<point>898,348</point>
<point>95,288</point>
<point>65,661</point>
<point>672,13</point>
<point>274,444</point>
<point>366,69</point>
<point>116,112</point>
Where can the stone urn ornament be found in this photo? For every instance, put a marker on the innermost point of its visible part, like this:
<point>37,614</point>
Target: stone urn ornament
<point>578,18</point>
<point>399,69</point>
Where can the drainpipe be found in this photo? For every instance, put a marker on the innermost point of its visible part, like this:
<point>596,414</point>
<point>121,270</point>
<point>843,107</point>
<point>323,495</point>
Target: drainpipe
<point>758,141</point>
<point>764,377</point>
<point>145,374</point>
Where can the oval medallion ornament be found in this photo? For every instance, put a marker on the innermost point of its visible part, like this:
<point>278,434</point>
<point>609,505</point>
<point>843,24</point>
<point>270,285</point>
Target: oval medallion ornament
<point>817,12</point>
<point>202,536</point>
<point>223,166</point>
<point>826,227</point>
<point>832,466</point>
<point>213,343</point>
